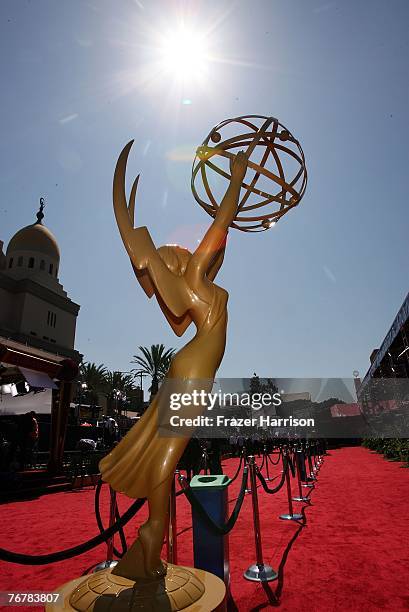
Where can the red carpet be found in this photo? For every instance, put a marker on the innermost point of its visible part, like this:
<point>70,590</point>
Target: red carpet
<point>352,554</point>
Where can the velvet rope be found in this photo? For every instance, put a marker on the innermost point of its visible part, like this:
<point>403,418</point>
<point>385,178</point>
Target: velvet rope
<point>262,463</point>
<point>278,459</point>
<point>237,471</point>
<point>286,466</point>
<point>101,528</point>
<point>13,557</point>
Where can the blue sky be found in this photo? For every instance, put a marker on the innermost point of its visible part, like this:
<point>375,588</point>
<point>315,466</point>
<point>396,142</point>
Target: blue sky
<point>309,298</point>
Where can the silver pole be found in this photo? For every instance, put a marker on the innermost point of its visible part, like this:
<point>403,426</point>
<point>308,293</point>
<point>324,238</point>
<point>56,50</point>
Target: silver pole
<point>248,490</point>
<point>258,572</point>
<point>267,461</point>
<point>310,467</point>
<point>299,457</point>
<point>320,458</point>
<point>172,551</point>
<point>314,458</point>
<point>290,516</point>
<point>310,476</point>
<point>110,543</point>
<point>205,460</point>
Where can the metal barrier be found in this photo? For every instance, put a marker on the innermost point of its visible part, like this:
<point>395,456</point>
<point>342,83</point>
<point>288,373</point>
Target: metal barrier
<point>291,516</point>
<point>301,474</point>
<point>109,562</point>
<point>171,540</point>
<point>258,571</point>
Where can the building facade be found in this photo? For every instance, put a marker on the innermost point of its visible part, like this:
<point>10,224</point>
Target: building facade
<point>391,360</point>
<point>38,361</point>
<point>34,308</point>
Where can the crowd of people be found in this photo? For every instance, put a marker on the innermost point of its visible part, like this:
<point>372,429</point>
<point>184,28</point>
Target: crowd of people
<point>205,453</point>
<point>109,435</point>
<point>19,443</point>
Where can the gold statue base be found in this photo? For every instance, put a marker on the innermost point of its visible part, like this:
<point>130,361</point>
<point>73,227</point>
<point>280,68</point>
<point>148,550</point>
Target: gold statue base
<point>183,588</point>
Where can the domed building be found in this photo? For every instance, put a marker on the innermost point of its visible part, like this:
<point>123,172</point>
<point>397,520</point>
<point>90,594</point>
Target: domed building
<point>33,242</point>
<point>34,308</point>
<point>38,362</point>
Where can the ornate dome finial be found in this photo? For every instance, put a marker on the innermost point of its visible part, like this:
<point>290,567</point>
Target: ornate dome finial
<point>40,214</point>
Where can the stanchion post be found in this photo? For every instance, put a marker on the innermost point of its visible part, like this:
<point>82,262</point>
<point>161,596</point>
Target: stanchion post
<point>314,456</point>
<point>205,460</point>
<point>110,542</point>
<point>290,516</point>
<point>258,572</point>
<point>299,458</point>
<point>171,540</point>
<point>267,461</point>
<point>320,453</point>
<point>306,484</point>
<point>246,462</point>
<point>310,468</point>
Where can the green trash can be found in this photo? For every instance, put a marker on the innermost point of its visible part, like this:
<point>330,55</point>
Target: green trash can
<point>210,549</point>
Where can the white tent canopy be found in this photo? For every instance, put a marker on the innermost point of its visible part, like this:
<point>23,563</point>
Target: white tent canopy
<point>20,404</point>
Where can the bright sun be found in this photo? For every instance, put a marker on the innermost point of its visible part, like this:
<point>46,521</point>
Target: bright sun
<point>184,54</point>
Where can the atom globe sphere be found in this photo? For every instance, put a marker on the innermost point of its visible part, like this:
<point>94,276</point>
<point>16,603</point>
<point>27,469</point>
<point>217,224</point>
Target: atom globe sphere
<point>276,176</point>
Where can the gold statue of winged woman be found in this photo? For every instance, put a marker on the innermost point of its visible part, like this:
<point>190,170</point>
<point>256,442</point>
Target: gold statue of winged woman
<point>143,463</point>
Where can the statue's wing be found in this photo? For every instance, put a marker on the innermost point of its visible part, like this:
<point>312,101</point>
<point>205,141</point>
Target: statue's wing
<point>151,272</point>
<point>178,324</point>
<point>145,281</point>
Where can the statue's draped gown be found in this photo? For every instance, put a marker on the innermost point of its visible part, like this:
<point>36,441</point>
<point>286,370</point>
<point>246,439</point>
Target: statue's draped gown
<point>145,458</point>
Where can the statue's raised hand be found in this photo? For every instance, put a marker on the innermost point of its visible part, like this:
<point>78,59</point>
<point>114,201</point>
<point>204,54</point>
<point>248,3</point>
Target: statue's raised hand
<point>238,166</point>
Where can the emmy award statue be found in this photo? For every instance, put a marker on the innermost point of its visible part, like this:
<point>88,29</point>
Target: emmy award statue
<point>257,174</point>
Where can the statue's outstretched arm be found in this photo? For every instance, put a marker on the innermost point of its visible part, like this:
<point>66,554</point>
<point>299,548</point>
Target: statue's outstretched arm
<point>216,263</point>
<point>149,268</point>
<point>208,256</point>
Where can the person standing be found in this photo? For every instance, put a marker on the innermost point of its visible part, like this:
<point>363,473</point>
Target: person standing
<point>33,436</point>
<point>28,438</point>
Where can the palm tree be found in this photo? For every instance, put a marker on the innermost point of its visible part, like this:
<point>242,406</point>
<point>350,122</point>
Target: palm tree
<point>155,363</point>
<point>118,385</point>
<point>92,377</point>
